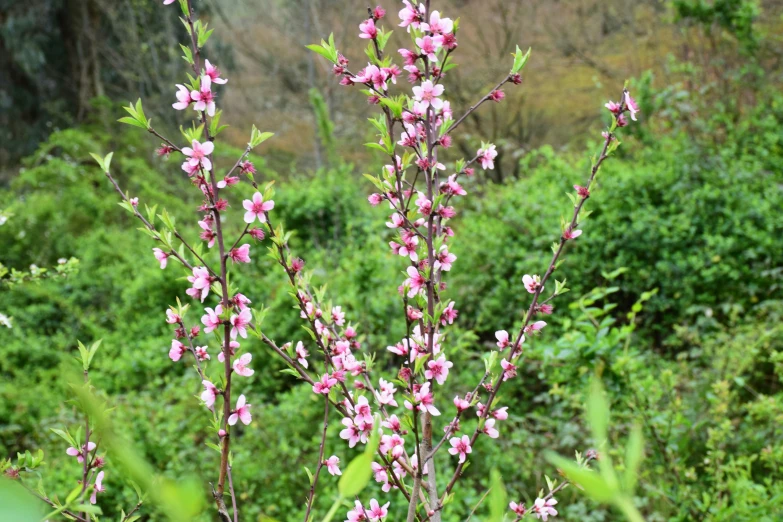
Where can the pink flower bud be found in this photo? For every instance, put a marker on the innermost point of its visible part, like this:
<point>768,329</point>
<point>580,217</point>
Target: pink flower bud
<point>516,78</point>
<point>257,233</point>
<point>497,95</point>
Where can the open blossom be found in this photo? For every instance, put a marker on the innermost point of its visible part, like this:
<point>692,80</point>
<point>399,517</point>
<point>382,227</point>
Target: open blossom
<point>427,94</point>
<point>439,25</point>
<point>490,430</point>
<point>172,317</point>
<point>543,508</point>
<point>376,511</point>
<point>79,454</point>
<point>461,403</point>
<point>211,320</point>
<point>429,46</point>
<point>519,509</point>
<point>240,254</point>
<point>338,316</point>
<point>242,412</point>
<point>368,29</point>
<point>161,256</point>
<point>333,465</point>
<point>570,233</point>
<point>257,208</point>
<point>503,341</point>
<point>241,365</point>
<point>183,98</point>
<point>531,283</point>
<point>424,400</point>
<point>487,155</point>
<point>239,323</point>
<point>449,314</point>
<point>204,97</point>
<point>438,369</point>
<point>201,353</point>
<point>233,346</point>
<point>613,107</point>
<point>325,384</point>
<point>444,259</point>
<point>461,447</point>
<point>362,410</point>
<point>209,394</point>
<point>410,16</point>
<point>176,351</point>
<point>509,370</point>
<point>98,487</point>
<point>301,354</point>
<point>415,281</point>
<point>538,325</point>
<point>213,73</point>
<point>353,432</point>
<point>631,104</point>
<point>198,154</point>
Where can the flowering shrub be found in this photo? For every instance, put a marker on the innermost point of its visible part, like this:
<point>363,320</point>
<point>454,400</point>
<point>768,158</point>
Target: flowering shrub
<point>394,415</point>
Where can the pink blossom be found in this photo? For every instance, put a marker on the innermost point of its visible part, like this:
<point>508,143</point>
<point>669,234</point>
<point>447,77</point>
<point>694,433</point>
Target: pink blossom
<point>213,73</point>
<point>368,29</point>
<point>257,234</point>
<point>385,393</point>
<point>439,25</point>
<point>204,97</point>
<point>461,447</point>
<point>428,94</point>
<point>538,325</point>
<point>172,317</point>
<point>375,199</point>
<point>176,351</point>
<point>509,370</point>
<point>201,353</point>
<point>183,98</point>
<point>449,314</point>
<point>487,155</point>
<point>438,369</point>
<point>424,400</point>
<point>543,508</point>
<point>362,410</point>
<point>353,433</point>
<point>198,154</point>
<point>392,423</point>
<point>208,234</point>
<point>211,320</point>
<point>333,465</point>
<point>79,454</point>
<point>415,281</point>
<point>503,341</point>
<point>242,412</point>
<point>324,385</point>
<point>621,121</point>
<point>519,509</point>
<point>240,254</point>
<point>239,323</point>
<point>338,316</point>
<point>209,394</point>
<point>377,512</point>
<point>233,346</point>
<point>357,513</point>
<point>429,46</point>
<point>240,301</point>
<point>452,187</point>
<point>301,354</point>
<point>532,283</point>
<point>444,259</point>
<point>414,314</point>
<point>257,208</point>
<point>241,365</point>
<point>501,413</point>
<point>460,403</point>
<point>161,256</point>
<point>410,16</point>
<point>633,108</point>
<point>489,429</point>
<point>394,444</point>
<point>583,192</point>
<point>570,233</point>
<point>97,488</point>
<point>613,107</point>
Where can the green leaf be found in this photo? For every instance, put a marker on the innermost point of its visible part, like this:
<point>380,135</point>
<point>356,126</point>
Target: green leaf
<point>520,60</point>
<point>590,481</point>
<point>597,411</point>
<point>497,497</point>
<point>356,476</point>
<point>633,458</point>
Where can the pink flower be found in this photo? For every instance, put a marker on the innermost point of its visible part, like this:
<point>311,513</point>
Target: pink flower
<point>519,509</point>
<point>176,351</point>
<point>633,108</point>
<point>201,353</point>
<point>257,234</point>
<point>440,25</point>
<point>333,465</point>
<point>79,454</point>
<point>98,487</point>
<point>497,95</point>
<point>233,346</point>
<point>213,73</point>
<point>324,385</point>
<point>444,259</point>
<point>257,208</point>
<point>368,29</point>
<point>211,319</point>
<point>375,199</point>
<point>376,511</point>
<point>379,12</point>
<point>487,155</point>
<point>172,317</point>
<point>429,46</point>
<point>200,281</point>
<point>241,365</point>
<point>183,98</point>
<point>410,16</point>
<point>428,94</point>
<point>424,400</point>
<point>461,447</point>
<point>396,221</point>
<point>168,2</point>
<point>583,192</point>
<point>569,233</point>
<point>240,301</point>
<point>449,314</point>
<point>209,394</point>
<point>509,370</point>
<point>204,97</point>
<point>438,369</point>
<point>538,325</point>
<point>543,508</point>
<point>415,281</point>
<point>301,354</point>
<point>242,412</point>
<point>241,254</point>
<point>461,404</point>
<point>613,107</point>
<point>161,256</point>
<point>353,433</point>
<point>489,429</point>
<point>531,283</point>
<point>362,410</point>
<point>414,314</point>
<point>239,323</point>
<point>338,316</point>
<point>503,341</point>
<point>198,154</point>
